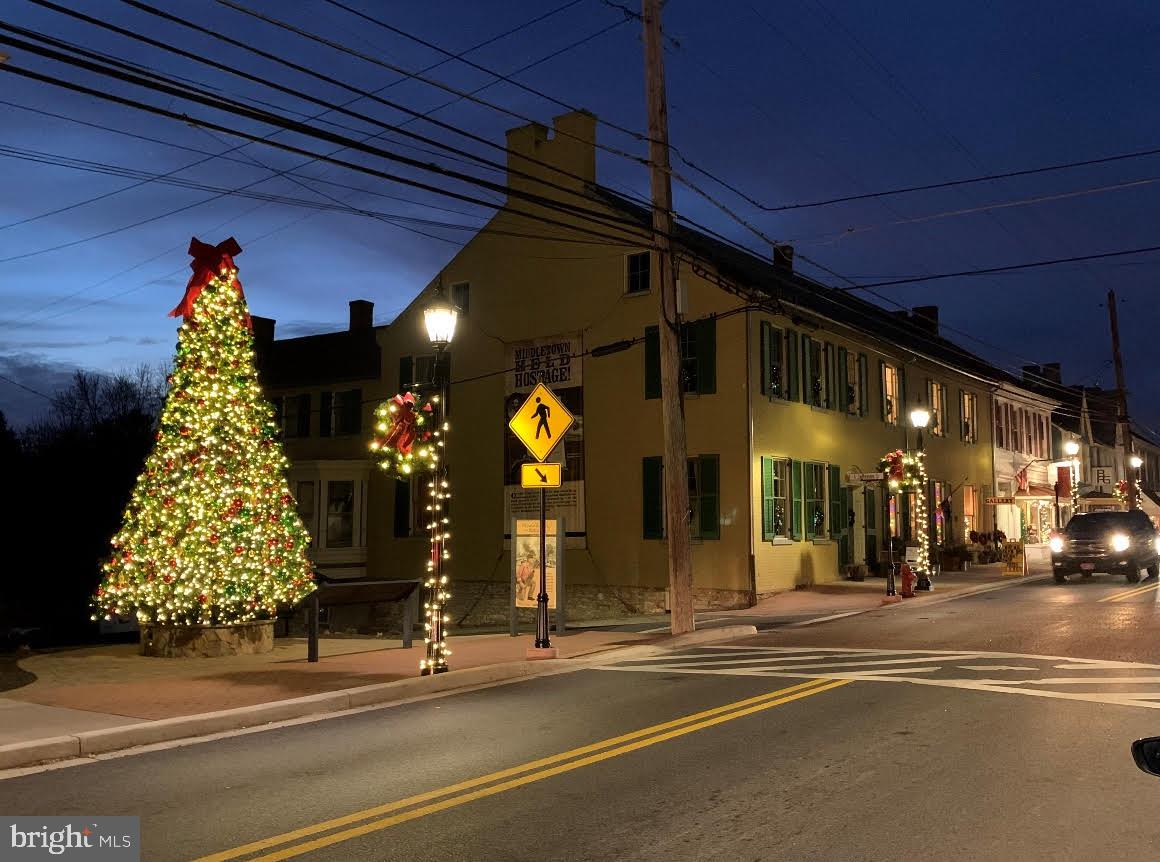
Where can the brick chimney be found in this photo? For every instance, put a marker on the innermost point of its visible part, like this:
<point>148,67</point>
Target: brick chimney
<point>570,146</point>
<point>263,332</point>
<point>362,314</point>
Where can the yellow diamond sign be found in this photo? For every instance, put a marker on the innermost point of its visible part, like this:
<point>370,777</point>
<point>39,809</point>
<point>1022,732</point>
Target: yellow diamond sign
<point>541,422</point>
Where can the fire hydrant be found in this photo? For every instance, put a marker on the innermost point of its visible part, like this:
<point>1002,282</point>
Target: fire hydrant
<point>908,581</point>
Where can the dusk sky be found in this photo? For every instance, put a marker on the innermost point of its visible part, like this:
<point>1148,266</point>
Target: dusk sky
<point>790,101</point>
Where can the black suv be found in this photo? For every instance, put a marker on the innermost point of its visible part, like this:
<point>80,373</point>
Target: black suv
<point>1111,542</point>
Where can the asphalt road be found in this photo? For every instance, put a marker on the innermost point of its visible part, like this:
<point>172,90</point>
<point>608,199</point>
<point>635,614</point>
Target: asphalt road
<point>992,727</point>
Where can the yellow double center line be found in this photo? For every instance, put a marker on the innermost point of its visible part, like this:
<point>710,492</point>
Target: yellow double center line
<point>1127,594</point>
<point>372,820</point>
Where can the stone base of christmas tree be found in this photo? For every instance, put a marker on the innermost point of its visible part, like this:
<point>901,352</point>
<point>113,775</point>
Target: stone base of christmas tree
<point>248,638</point>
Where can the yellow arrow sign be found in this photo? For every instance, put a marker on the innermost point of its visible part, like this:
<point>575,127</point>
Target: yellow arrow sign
<point>544,475</point>
<point>541,422</point>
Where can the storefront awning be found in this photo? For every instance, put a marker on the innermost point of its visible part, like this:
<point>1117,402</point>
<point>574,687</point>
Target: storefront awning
<point>1036,492</point>
<point>1150,503</point>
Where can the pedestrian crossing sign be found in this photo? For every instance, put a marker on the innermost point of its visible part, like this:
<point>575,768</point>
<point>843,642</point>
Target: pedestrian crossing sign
<point>541,422</point>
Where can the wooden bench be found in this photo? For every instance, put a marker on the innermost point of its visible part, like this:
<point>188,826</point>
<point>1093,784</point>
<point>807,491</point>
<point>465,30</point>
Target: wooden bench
<point>333,592</point>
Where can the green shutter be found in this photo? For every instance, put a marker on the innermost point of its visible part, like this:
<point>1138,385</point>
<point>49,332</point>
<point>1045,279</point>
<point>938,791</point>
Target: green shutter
<point>710,497</point>
<point>795,482</point>
<point>766,346</point>
<point>325,409</point>
<point>807,370</point>
<point>353,410</point>
<point>901,411</point>
<point>406,372</point>
<point>402,509</point>
<point>863,385</point>
<point>882,389</point>
<point>767,499</point>
<point>652,362</point>
<point>843,400</point>
<point>706,338</point>
<point>792,379</point>
<point>870,515</point>
<point>829,358</point>
<point>304,415</point>
<point>651,496</point>
<point>837,521</point>
<point>904,515</point>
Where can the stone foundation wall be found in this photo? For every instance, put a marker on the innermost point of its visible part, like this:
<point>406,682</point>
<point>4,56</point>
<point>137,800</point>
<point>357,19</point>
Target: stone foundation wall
<point>207,641</point>
<point>485,603</point>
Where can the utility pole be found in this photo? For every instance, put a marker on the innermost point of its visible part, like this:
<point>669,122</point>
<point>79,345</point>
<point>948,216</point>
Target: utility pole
<point>672,409</point>
<point>1124,422</point>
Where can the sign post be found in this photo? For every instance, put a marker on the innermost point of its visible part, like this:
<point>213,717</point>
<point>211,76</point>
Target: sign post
<point>540,424</point>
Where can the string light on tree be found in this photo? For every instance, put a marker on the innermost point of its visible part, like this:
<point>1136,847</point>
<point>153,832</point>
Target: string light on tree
<point>211,535</point>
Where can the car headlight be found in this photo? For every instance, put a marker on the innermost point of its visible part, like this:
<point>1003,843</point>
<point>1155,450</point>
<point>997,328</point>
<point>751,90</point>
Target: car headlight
<point>1056,544</point>
<point>1120,542</point>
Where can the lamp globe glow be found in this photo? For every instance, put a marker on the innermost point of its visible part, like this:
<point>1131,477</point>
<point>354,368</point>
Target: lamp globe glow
<point>440,317</point>
<point>1136,461</point>
<point>919,417</point>
<point>1071,448</point>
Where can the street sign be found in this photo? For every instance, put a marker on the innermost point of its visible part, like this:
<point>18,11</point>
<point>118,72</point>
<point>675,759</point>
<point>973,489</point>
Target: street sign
<point>865,477</point>
<point>999,501</point>
<point>542,475</point>
<point>541,422</point>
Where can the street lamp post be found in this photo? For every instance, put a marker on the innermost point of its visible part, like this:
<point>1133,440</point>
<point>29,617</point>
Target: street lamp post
<point>1071,450</point>
<point>1136,462</point>
<point>920,419</point>
<point>439,318</point>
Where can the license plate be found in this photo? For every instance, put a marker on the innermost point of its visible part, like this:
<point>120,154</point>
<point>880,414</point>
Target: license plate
<point>1087,567</point>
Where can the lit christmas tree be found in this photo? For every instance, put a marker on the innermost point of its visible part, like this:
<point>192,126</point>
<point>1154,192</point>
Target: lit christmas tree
<point>211,535</point>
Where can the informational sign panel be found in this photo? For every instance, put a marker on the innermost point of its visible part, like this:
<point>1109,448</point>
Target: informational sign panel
<point>999,501</point>
<point>526,561</point>
<point>545,475</point>
<point>555,362</point>
<point>1014,558</point>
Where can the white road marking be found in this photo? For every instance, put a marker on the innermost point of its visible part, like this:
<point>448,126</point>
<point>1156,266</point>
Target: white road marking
<point>918,667</point>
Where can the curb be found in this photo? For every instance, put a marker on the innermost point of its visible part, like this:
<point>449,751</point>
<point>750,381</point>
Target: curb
<point>971,591</point>
<point>94,742</point>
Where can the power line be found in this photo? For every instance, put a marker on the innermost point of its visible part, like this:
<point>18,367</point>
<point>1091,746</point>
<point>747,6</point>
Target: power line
<point>418,77</point>
<point>1009,268</point>
<point>20,385</point>
<point>600,218</point>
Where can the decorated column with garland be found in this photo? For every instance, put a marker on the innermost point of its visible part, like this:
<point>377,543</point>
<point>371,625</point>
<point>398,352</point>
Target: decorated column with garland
<point>211,535</point>
<point>906,471</point>
<point>409,437</point>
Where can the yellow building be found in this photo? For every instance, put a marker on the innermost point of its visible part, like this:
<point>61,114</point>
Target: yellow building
<point>792,390</point>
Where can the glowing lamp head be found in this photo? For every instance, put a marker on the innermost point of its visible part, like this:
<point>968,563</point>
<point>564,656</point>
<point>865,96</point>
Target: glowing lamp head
<point>440,317</point>
<point>1136,461</point>
<point>1071,448</point>
<point>919,417</point>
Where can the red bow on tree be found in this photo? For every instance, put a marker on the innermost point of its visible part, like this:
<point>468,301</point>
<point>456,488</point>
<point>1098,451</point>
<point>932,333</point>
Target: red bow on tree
<point>405,426</point>
<point>207,264</point>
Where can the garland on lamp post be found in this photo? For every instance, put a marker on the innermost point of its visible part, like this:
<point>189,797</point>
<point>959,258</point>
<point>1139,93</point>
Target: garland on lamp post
<point>906,471</point>
<point>408,441</point>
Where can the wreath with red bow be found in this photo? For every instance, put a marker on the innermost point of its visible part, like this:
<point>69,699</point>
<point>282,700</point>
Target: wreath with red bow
<point>404,441</point>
